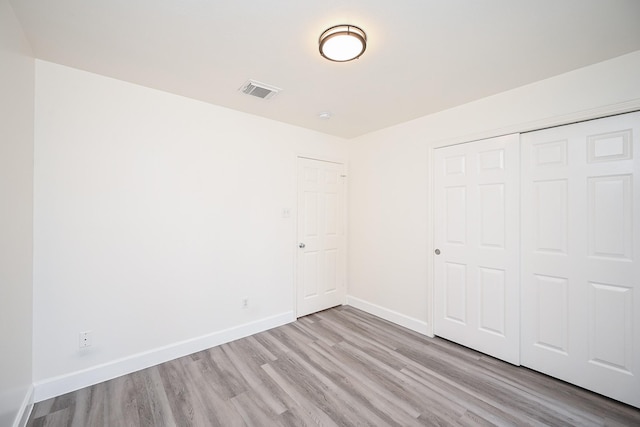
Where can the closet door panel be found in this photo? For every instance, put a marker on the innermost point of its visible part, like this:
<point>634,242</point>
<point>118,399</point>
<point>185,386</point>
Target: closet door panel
<point>476,230</point>
<point>580,273</point>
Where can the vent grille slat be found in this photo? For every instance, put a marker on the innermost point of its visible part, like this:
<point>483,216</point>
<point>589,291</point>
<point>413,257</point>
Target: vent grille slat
<point>248,89</point>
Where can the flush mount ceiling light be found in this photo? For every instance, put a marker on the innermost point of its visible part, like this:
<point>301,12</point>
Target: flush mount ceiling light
<point>343,43</point>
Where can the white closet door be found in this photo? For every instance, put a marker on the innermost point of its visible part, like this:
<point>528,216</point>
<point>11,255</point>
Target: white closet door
<point>321,265</point>
<point>580,249</point>
<point>477,237</point>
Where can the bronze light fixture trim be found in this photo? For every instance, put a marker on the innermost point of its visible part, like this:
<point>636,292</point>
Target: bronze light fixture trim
<point>343,43</point>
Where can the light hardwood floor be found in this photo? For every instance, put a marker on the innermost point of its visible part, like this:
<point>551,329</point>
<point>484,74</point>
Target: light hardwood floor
<point>338,367</point>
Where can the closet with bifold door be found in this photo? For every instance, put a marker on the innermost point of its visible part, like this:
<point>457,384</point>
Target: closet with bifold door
<point>537,240</point>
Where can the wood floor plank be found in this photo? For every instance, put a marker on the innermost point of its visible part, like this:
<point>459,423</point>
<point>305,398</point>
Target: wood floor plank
<point>183,399</point>
<point>306,407</point>
<point>43,408</point>
<point>342,397</point>
<point>339,367</point>
<point>398,409</point>
<point>216,366</point>
<point>474,383</point>
<point>121,402</point>
<point>401,385</point>
<point>212,407</point>
<point>153,404</point>
<point>248,359</point>
<point>60,418</point>
<point>253,411</point>
<point>88,406</point>
<point>357,388</point>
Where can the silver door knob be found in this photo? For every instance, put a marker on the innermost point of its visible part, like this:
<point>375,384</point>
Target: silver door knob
<point>437,251</point>
<point>302,245</point>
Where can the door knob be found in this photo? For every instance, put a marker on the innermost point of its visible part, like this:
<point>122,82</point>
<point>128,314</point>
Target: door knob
<point>302,245</point>
<point>437,251</point>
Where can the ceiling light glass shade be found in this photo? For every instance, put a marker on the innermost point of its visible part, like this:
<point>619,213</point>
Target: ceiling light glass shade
<point>343,43</point>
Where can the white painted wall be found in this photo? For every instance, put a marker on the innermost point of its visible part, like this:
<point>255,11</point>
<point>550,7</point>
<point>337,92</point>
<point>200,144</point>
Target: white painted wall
<point>389,229</point>
<point>154,216</point>
<point>16,216</point>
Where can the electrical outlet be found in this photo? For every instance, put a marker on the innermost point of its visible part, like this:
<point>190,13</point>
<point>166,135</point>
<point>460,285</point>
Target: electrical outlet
<point>84,339</point>
<point>245,302</point>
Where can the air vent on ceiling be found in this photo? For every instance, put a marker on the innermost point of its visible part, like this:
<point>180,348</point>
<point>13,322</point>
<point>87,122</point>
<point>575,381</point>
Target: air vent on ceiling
<point>260,90</point>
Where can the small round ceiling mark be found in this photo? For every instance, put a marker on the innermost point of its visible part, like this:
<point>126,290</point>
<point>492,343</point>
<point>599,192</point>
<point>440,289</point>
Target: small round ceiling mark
<point>342,43</point>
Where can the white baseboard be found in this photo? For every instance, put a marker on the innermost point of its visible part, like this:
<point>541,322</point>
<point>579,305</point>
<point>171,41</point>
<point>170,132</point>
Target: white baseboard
<point>76,380</point>
<point>25,409</point>
<point>390,315</point>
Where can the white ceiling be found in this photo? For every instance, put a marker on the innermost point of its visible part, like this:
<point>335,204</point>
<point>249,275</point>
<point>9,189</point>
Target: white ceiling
<point>423,55</point>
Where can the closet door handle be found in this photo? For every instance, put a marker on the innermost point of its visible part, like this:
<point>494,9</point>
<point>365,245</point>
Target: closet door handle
<point>437,251</point>
<point>302,246</point>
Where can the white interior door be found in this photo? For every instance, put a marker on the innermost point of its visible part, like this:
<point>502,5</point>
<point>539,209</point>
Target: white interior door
<point>321,236</point>
<point>476,274</point>
<point>580,249</point>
